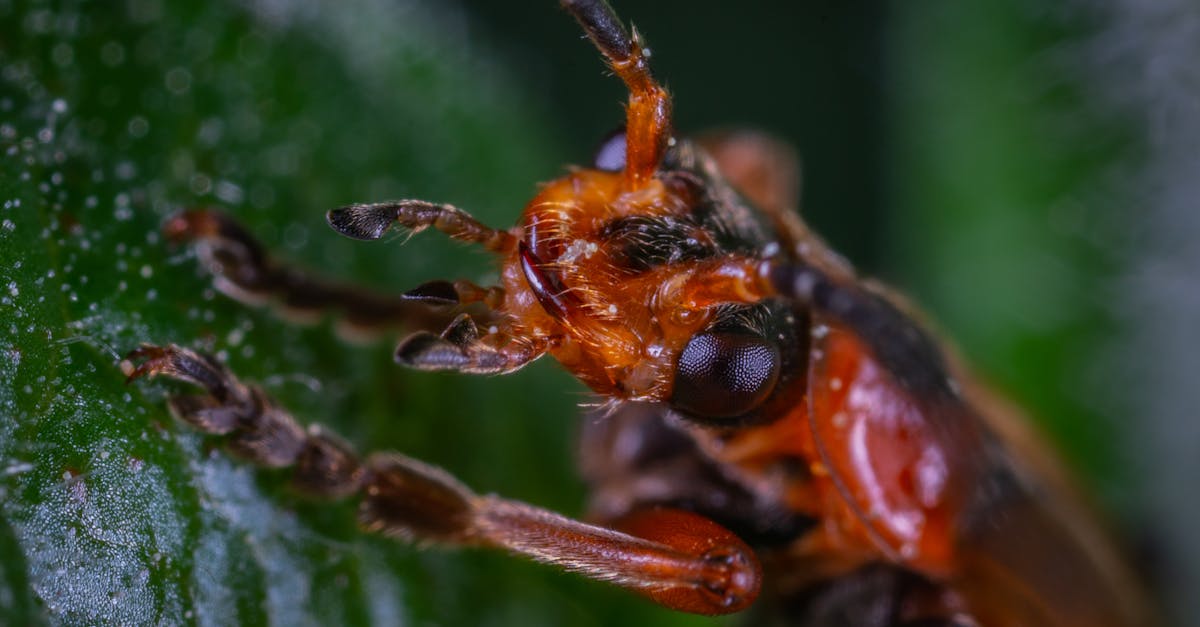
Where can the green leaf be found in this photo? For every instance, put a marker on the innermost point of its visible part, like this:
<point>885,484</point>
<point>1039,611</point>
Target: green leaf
<point>114,116</point>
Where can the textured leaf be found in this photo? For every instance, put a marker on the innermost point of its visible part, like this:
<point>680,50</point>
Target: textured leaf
<point>115,116</point>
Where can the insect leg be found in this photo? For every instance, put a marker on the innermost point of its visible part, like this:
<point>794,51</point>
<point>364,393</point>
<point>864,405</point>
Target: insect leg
<point>676,558</point>
<point>371,221</point>
<point>257,429</point>
<point>461,349</point>
<point>745,280</point>
<point>873,594</point>
<point>460,292</point>
<point>243,270</point>
<point>648,116</point>
<point>636,456</point>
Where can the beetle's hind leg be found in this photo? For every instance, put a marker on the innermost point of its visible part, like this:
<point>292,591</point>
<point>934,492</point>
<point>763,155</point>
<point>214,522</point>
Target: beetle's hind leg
<point>679,559</point>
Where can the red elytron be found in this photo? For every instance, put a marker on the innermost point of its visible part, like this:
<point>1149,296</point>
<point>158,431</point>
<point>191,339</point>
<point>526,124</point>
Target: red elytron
<point>774,423</point>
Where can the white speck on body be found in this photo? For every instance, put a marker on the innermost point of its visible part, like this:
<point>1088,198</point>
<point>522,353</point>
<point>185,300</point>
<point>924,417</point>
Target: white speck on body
<point>579,249</point>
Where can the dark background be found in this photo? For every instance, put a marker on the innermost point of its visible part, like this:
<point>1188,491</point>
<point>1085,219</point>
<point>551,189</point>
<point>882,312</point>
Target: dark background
<point>813,73</point>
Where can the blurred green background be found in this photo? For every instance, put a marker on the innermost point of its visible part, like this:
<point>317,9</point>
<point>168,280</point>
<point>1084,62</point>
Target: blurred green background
<point>996,162</point>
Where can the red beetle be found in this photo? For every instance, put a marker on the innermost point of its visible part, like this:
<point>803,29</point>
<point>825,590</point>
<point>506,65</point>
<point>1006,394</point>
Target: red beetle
<point>774,423</point>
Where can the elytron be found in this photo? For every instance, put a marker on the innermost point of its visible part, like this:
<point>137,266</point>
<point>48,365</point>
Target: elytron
<point>777,434</point>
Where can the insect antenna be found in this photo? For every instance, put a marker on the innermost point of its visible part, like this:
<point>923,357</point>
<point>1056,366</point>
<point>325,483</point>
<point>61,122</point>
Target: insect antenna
<point>648,115</point>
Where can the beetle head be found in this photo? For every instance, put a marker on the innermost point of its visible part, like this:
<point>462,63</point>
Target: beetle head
<point>632,285</point>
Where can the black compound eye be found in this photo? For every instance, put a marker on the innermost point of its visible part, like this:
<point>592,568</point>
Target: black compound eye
<point>610,155</point>
<point>722,375</point>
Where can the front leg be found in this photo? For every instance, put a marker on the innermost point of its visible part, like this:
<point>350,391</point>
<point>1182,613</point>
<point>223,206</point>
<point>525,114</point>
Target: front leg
<point>243,270</point>
<point>678,559</point>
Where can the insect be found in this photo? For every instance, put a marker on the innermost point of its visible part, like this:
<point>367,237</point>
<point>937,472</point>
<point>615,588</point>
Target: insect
<point>774,425</point>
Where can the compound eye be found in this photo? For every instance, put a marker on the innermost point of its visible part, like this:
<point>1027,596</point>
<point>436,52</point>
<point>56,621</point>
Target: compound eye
<point>610,155</point>
<point>723,375</point>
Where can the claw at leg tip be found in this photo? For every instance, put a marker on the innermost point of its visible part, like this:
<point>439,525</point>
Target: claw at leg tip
<point>362,222</point>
